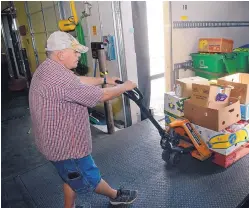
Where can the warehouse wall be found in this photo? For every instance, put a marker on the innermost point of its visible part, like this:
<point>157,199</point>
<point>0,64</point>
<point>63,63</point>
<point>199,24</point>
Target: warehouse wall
<point>51,17</point>
<point>25,40</point>
<point>185,41</point>
<point>102,19</point>
<point>4,5</point>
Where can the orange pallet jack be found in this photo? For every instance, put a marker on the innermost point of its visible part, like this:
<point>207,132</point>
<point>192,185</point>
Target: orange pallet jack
<point>185,137</point>
<point>181,138</point>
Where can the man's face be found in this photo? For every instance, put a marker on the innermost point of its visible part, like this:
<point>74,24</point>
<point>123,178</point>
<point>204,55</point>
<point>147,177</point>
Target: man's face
<point>69,58</point>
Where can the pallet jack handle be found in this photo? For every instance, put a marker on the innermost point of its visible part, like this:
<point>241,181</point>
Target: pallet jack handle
<point>134,94</point>
<point>137,97</point>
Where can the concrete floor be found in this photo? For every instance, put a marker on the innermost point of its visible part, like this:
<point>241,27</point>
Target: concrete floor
<point>19,154</point>
<point>130,158</point>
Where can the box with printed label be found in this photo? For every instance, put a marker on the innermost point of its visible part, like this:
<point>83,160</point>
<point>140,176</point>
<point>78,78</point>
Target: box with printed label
<point>240,83</point>
<point>183,87</point>
<point>226,141</point>
<point>244,112</point>
<point>173,104</point>
<point>210,95</point>
<point>223,142</point>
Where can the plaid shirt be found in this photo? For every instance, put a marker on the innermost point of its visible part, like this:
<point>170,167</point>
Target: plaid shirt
<point>58,104</point>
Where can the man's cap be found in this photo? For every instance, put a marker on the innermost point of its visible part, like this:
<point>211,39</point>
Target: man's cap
<point>61,40</point>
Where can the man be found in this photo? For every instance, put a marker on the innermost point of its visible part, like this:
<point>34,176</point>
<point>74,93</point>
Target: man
<point>58,105</point>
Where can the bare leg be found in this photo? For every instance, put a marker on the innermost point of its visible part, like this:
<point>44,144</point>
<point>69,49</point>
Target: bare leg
<point>104,189</point>
<point>69,196</point>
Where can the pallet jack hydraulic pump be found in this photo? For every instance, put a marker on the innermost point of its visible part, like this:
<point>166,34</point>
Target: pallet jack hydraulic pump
<point>181,138</point>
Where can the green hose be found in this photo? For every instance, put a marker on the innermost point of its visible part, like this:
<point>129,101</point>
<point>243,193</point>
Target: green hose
<point>82,68</point>
<point>81,39</point>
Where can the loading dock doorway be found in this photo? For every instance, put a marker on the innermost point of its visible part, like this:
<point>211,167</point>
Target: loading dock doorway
<point>157,57</point>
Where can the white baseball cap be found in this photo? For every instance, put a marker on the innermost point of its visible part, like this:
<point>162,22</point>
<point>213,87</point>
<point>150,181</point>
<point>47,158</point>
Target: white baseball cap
<point>61,40</point>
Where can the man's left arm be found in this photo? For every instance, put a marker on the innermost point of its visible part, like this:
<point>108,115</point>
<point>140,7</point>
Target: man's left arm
<point>98,80</point>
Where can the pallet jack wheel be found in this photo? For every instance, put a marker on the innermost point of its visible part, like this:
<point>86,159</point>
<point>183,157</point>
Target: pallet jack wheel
<point>166,155</point>
<point>175,158</point>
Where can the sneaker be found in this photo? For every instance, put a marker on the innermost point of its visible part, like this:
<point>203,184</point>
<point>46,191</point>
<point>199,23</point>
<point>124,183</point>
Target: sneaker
<point>124,197</point>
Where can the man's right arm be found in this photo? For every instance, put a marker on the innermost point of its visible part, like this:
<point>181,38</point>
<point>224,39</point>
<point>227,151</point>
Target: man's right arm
<point>112,92</point>
<point>90,96</point>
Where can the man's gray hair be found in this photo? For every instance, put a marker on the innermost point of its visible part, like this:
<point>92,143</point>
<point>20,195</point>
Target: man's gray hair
<point>49,53</point>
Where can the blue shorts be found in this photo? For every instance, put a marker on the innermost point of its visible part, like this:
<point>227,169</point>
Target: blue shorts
<point>81,175</point>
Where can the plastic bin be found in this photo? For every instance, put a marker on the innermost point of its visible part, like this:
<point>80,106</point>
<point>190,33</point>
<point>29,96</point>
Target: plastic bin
<point>215,45</point>
<point>243,52</point>
<point>208,62</point>
<point>241,49</point>
<point>231,61</point>
<point>221,63</point>
<point>209,75</point>
<point>245,46</point>
<point>243,61</point>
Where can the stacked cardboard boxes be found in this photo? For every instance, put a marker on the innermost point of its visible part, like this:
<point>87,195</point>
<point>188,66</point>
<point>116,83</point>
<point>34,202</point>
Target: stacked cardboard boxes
<point>210,106</point>
<point>220,112</point>
<point>228,145</point>
<point>240,82</point>
<point>174,101</point>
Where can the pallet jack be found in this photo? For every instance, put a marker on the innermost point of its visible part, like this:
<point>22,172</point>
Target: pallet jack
<point>181,138</point>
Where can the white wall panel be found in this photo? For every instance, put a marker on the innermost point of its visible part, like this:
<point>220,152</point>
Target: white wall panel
<point>185,41</point>
<point>130,55</point>
<point>107,25</point>
<point>102,18</point>
<point>211,10</point>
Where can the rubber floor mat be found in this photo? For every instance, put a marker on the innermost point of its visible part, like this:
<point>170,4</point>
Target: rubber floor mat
<point>132,158</point>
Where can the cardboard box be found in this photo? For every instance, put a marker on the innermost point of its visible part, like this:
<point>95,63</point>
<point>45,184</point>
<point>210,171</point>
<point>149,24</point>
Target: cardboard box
<point>240,82</point>
<point>223,142</point>
<point>228,140</point>
<point>215,45</point>
<point>183,87</point>
<point>214,118</point>
<point>210,95</point>
<point>244,109</point>
<point>227,160</point>
<point>173,104</point>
